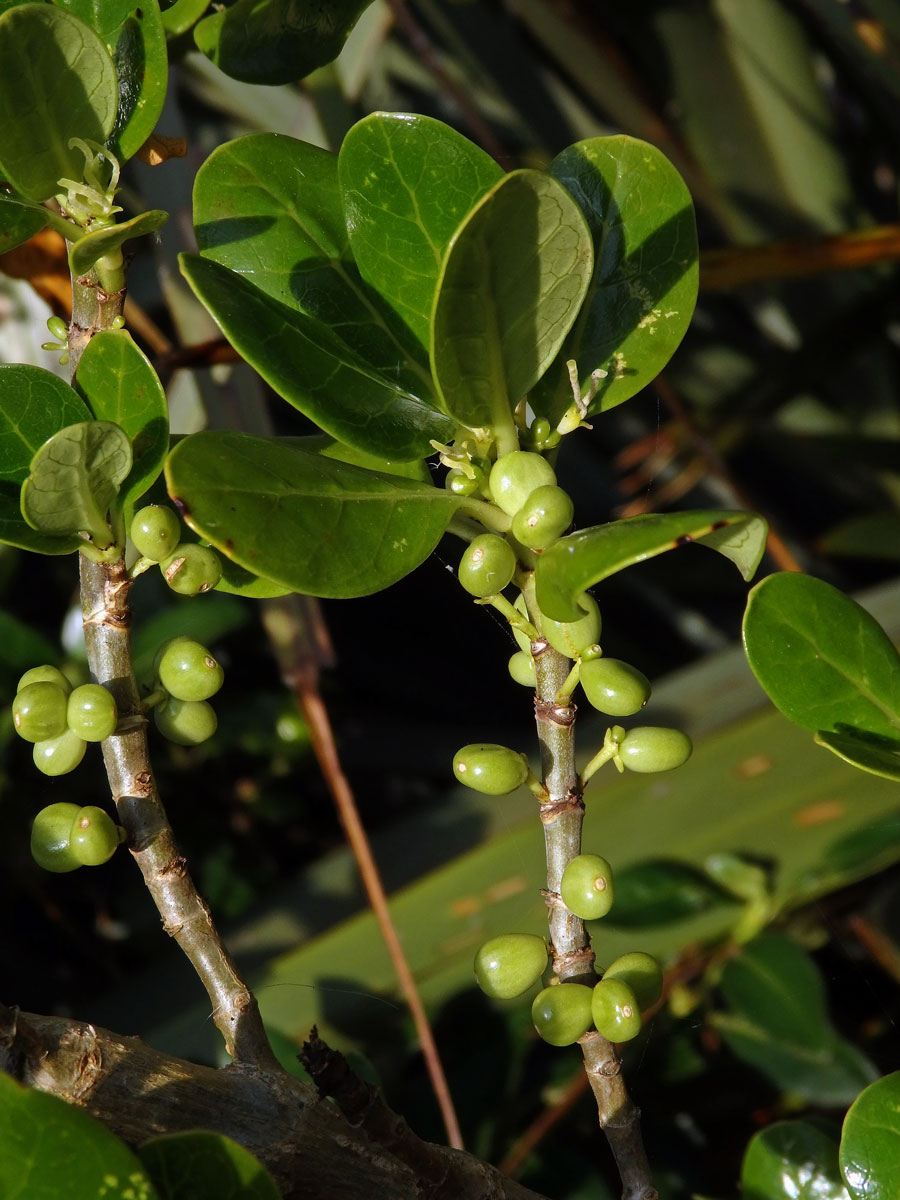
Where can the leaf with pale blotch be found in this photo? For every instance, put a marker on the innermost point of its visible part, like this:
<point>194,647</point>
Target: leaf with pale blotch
<point>88,250</point>
<point>74,480</point>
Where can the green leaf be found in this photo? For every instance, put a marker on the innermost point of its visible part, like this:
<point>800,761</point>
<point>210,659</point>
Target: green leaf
<point>876,535</point>
<point>19,220</point>
<point>74,481</point>
<point>57,82</point>
<point>309,522</point>
<point>276,41</point>
<point>824,662</point>
<point>868,751</point>
<point>870,1142</point>
<point>407,182</point>
<point>792,1160</point>
<point>23,646</point>
<point>34,404</point>
<point>322,444</point>
<point>180,16</point>
<point>237,581</point>
<point>43,1141</point>
<point>269,207</point>
<point>202,1165</point>
<point>574,563</point>
<point>644,288</point>
<point>118,384</point>
<point>661,891</point>
<point>136,39</point>
<point>84,253</point>
<point>307,364</point>
<point>513,280</point>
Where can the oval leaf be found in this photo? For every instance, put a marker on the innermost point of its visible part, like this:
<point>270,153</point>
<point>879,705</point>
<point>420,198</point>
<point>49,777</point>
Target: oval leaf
<point>574,563</point>
<point>792,1159</point>
<point>202,1165</point>
<point>661,892</point>
<point>34,404</point>
<point>74,480</point>
<point>512,283</point>
<point>870,1142</point>
<point>307,364</point>
<point>868,751</point>
<point>309,522</point>
<point>19,220</point>
<point>407,182</point>
<point>824,662</point>
<point>644,287</point>
<point>180,16</point>
<point>94,246</point>
<point>57,82</point>
<point>119,385</point>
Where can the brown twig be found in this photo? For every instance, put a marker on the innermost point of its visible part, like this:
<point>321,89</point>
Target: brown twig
<point>737,266</point>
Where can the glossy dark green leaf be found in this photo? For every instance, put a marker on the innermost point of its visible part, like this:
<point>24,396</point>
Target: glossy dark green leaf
<point>74,479</point>
<point>276,41</point>
<point>574,563</point>
<point>19,220</point>
<point>644,287</point>
<point>865,848</point>
<point>34,404</point>
<point>792,1160</point>
<point>512,282</point>
<point>661,892</point>
<point>407,182</point>
<point>57,82</point>
<point>202,1165</point>
<point>868,751</point>
<point>117,382</point>
<point>870,1142</point>
<point>93,246</point>
<point>309,522</point>
<point>823,660</point>
<point>307,364</point>
<point>136,39</point>
<point>43,1141</point>
<point>269,207</point>
<point>876,535</point>
<point>180,16</point>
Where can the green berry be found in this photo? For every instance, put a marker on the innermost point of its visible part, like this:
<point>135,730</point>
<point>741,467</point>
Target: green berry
<point>50,836</point>
<point>562,1014</point>
<point>460,484</point>
<point>650,748</point>
<point>39,711</point>
<point>59,755</point>
<point>187,722</point>
<point>191,569</point>
<point>515,476</point>
<point>94,836</point>
<point>508,965</point>
<point>521,667</point>
<point>540,431</point>
<point>45,674</point>
<point>486,767</point>
<point>487,565</point>
<point>587,887</point>
<point>571,637</point>
<point>546,514</point>
<point>642,973</point>
<point>614,687</point>
<point>91,712</point>
<point>615,1010</point>
<point>188,671</point>
<point>156,532</point>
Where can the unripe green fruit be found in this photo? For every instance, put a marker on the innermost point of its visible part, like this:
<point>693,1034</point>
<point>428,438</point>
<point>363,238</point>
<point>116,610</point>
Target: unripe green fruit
<point>59,755</point>
<point>642,973</point>
<point>191,569</point>
<point>187,722</point>
<point>540,431</point>
<point>546,514</point>
<point>615,1010</point>
<point>515,476</point>
<point>91,712</point>
<point>94,836</point>
<point>45,674</point>
<point>521,667</point>
<point>39,711</point>
<point>188,671</point>
<point>489,768</point>
<point>649,748</point>
<point>614,687</point>
<point>156,532</point>
<point>508,965</point>
<point>50,836</point>
<point>587,887</point>
<point>459,483</point>
<point>487,565</point>
<point>571,637</point>
<point>562,1014</point>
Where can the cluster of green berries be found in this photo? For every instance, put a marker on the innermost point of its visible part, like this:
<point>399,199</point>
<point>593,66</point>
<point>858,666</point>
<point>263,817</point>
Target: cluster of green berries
<point>189,675</point>
<point>65,837</point>
<point>60,720</point>
<point>187,567</point>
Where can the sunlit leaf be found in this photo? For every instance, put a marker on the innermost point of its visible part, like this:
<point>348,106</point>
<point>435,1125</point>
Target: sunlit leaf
<point>870,1142</point>
<point>84,253</point>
